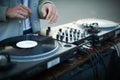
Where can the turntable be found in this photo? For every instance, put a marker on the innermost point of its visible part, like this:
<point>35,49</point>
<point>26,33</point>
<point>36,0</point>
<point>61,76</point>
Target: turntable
<point>107,29</point>
<point>29,61</point>
<point>102,23</point>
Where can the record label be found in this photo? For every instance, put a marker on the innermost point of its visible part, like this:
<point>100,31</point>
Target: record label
<point>26,44</point>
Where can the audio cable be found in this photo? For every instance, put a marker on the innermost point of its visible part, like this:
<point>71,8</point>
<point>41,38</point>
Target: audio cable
<point>96,61</point>
<point>114,58</point>
<point>100,59</point>
<point>93,62</point>
<point>115,46</point>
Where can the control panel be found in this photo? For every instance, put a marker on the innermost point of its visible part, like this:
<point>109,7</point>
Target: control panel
<point>69,33</point>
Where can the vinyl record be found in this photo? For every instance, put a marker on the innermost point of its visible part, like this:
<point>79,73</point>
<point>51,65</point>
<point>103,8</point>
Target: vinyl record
<point>102,24</point>
<point>45,48</point>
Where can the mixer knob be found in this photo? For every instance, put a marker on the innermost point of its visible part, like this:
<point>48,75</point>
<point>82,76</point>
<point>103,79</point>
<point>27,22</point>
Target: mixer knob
<point>63,34</point>
<point>49,29</point>
<point>61,38</point>
<point>70,34</point>
<point>60,30</point>
<point>78,32</point>
<point>78,35</point>
<point>75,38</point>
<point>66,39</point>
<point>47,32</point>
<point>66,32</point>
<point>57,36</point>
<point>71,38</point>
<point>71,30</point>
<point>74,33</point>
<point>75,30</point>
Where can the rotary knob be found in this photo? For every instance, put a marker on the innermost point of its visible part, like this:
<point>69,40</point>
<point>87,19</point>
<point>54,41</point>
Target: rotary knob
<point>48,31</point>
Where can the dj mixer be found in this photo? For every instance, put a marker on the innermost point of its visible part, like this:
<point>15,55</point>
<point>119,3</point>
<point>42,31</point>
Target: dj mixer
<point>53,46</point>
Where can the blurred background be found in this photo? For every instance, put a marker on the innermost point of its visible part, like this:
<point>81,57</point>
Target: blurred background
<point>73,10</point>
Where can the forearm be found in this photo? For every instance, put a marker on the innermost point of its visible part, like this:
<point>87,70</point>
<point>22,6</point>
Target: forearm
<point>3,13</point>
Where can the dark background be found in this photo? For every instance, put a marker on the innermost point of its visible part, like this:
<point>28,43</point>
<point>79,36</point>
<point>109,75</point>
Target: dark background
<point>73,10</point>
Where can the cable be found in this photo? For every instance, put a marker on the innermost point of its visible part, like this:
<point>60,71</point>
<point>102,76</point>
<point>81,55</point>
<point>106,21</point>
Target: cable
<point>115,47</point>
<point>98,58</point>
<point>115,58</point>
<point>94,64</point>
<point>101,59</point>
<point>118,50</point>
<point>98,55</point>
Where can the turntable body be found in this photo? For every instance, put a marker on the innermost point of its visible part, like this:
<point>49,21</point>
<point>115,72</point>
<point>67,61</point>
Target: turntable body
<point>45,55</point>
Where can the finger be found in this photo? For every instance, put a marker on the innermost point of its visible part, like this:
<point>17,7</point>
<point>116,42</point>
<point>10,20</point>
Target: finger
<point>23,13</point>
<point>53,15</point>
<point>22,9</point>
<point>55,18</point>
<point>26,8</point>
<point>20,16</point>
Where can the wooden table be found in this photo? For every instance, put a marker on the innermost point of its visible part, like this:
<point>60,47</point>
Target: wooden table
<point>62,68</point>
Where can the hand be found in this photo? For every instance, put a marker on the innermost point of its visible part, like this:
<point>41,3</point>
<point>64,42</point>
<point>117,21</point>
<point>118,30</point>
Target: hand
<point>50,12</point>
<point>19,11</point>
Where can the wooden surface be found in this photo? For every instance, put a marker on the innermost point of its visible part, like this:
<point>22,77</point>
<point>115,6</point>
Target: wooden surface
<point>62,68</point>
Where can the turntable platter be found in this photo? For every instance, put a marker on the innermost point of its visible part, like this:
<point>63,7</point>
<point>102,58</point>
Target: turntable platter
<point>45,48</point>
<point>103,24</point>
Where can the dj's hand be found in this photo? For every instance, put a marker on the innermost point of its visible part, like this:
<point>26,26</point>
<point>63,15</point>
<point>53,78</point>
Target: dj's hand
<point>50,12</point>
<point>20,11</point>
